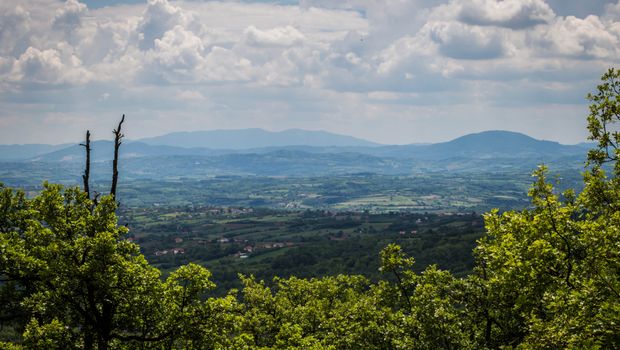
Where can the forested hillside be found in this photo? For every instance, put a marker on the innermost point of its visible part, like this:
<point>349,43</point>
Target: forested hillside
<point>544,277</point>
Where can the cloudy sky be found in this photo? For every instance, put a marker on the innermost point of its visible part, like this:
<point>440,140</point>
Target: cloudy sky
<point>391,71</point>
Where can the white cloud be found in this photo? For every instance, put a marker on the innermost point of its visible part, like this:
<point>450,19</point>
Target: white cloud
<point>160,17</point>
<point>52,66</point>
<point>515,14</point>
<point>293,66</point>
<point>579,38</point>
<point>223,65</point>
<point>14,30</point>
<point>179,52</point>
<point>401,52</point>
<point>612,11</point>
<point>69,17</point>
<point>279,36</point>
<point>462,41</point>
<point>106,41</point>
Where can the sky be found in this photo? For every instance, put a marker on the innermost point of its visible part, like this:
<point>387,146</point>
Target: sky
<point>390,71</point>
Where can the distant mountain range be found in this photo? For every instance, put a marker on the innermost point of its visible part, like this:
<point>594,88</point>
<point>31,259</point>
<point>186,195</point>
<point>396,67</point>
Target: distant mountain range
<point>22,152</point>
<point>487,144</point>
<point>102,151</point>
<point>492,144</point>
<point>256,138</point>
<point>299,153</point>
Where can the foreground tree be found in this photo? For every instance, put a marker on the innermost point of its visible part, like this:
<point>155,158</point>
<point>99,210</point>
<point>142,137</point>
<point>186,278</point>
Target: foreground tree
<point>549,277</point>
<point>78,280</point>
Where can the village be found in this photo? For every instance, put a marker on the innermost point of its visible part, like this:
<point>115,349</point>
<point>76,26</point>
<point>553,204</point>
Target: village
<point>248,248</point>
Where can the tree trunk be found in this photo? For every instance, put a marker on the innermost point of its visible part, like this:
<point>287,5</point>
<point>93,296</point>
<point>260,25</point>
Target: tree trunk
<point>86,175</point>
<point>117,144</point>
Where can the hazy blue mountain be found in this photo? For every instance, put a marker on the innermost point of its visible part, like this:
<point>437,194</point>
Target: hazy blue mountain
<point>17,152</point>
<point>493,151</point>
<point>587,145</point>
<point>256,138</point>
<point>104,150</point>
<point>487,144</point>
<point>506,150</point>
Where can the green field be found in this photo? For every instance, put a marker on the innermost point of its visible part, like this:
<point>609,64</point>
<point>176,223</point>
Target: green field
<point>268,242</point>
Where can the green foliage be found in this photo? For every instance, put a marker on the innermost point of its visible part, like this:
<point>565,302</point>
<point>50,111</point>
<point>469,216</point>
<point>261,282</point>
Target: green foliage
<point>51,335</point>
<point>605,111</point>
<point>550,275</point>
<point>70,278</point>
<point>393,259</point>
<point>337,312</point>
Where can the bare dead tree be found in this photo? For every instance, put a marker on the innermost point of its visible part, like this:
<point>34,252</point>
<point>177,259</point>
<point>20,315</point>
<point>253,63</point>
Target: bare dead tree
<point>86,176</point>
<point>117,144</point>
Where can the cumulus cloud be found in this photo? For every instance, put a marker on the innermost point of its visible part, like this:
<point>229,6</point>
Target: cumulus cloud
<point>14,30</point>
<point>280,36</point>
<point>579,38</point>
<point>69,17</point>
<point>515,14</point>
<point>159,17</point>
<point>224,65</point>
<point>404,40</point>
<point>612,11</point>
<point>179,49</point>
<point>462,41</point>
<point>52,66</point>
<point>107,41</point>
<point>400,52</point>
<point>293,66</point>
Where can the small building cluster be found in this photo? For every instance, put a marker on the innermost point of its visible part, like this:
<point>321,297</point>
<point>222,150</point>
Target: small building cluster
<point>170,251</point>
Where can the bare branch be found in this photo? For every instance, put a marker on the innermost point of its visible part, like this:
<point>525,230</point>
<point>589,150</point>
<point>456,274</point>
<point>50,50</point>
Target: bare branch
<point>117,144</point>
<point>86,175</point>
